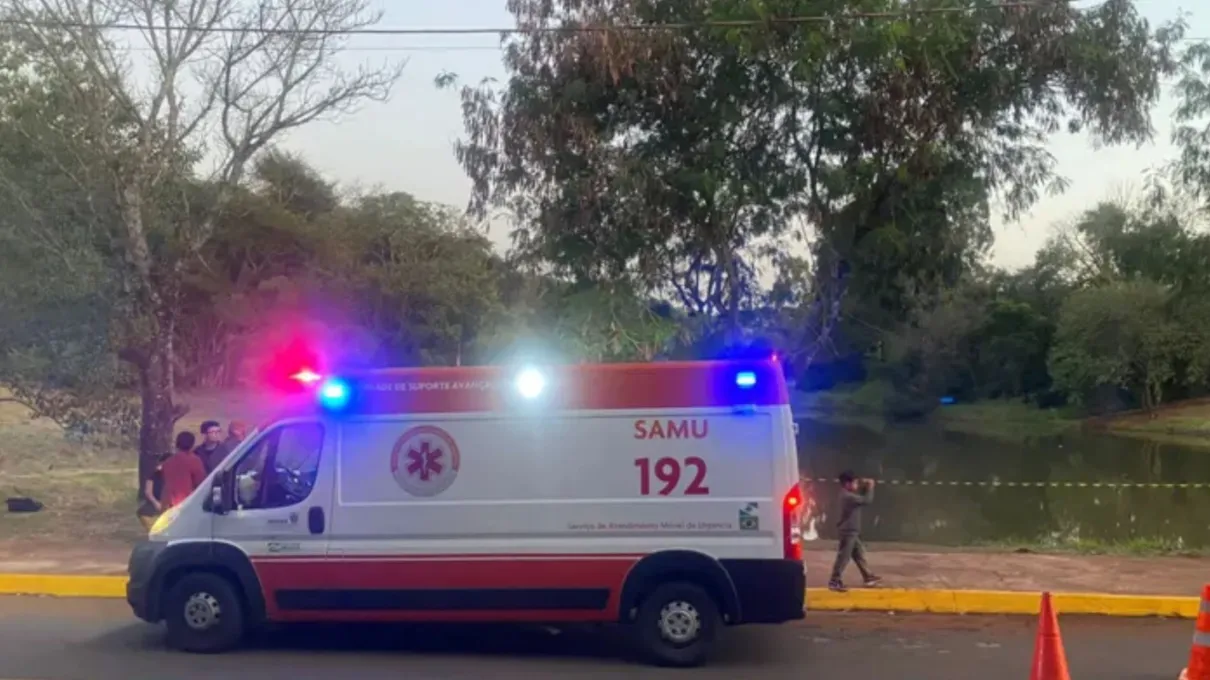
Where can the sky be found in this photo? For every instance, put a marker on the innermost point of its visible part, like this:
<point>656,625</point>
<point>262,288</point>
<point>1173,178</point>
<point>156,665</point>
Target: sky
<point>407,143</point>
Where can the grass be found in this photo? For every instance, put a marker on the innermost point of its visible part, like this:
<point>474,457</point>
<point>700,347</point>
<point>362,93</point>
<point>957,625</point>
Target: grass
<point>88,488</point>
<point>1004,419</point>
<point>1001,419</point>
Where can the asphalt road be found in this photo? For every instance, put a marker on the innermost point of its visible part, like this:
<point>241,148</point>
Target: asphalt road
<point>48,639</point>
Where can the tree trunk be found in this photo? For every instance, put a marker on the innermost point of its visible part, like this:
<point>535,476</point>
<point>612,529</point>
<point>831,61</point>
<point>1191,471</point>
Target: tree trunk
<point>156,391</point>
<point>734,333</point>
<point>159,414</point>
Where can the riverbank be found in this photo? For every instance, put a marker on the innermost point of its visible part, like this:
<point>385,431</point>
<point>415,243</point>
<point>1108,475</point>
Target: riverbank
<point>1183,423</point>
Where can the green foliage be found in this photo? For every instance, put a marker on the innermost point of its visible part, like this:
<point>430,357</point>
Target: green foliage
<point>612,325</point>
<point>652,178</point>
<point>1191,169</point>
<point>1134,321</point>
<point>1120,336</point>
<point>1111,315</point>
<point>1011,346</point>
<point>933,352</point>
<point>670,159</point>
<point>428,281</point>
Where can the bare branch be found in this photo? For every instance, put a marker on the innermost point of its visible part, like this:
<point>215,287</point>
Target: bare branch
<point>278,73</point>
<point>220,81</point>
<point>274,67</point>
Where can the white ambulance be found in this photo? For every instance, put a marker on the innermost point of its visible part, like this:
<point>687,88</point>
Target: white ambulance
<point>661,496</point>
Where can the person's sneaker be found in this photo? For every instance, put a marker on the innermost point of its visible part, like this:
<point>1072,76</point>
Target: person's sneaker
<point>873,581</point>
<point>837,586</point>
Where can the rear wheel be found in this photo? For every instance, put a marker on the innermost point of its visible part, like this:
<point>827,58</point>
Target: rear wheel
<point>677,624</point>
<point>204,614</point>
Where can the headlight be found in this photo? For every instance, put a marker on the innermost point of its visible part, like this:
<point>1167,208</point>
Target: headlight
<point>165,520</point>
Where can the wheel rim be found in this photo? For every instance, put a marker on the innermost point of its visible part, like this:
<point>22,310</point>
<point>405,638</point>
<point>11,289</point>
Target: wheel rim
<point>680,622</point>
<point>202,611</point>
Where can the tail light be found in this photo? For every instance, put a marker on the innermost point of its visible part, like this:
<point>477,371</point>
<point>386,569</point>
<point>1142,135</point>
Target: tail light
<point>792,509</point>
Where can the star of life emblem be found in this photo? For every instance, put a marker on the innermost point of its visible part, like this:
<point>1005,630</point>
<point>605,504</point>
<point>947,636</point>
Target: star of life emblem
<point>425,461</point>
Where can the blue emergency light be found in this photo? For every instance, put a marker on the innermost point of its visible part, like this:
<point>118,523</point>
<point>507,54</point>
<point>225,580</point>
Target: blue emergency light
<point>745,379</point>
<point>334,394</point>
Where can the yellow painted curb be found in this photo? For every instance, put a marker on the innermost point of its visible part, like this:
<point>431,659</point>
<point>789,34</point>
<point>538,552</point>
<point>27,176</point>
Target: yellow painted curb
<point>62,585</point>
<point>817,599</point>
<point>999,602</point>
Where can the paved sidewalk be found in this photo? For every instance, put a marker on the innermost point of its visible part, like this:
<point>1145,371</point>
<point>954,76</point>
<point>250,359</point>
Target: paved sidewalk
<point>901,566</point>
<point>943,569</point>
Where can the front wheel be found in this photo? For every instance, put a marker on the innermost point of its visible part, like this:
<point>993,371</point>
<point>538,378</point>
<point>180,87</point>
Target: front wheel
<point>677,625</point>
<point>204,614</point>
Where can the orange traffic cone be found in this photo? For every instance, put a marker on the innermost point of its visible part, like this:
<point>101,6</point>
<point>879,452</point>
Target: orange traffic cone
<point>1050,663</point>
<point>1199,657</point>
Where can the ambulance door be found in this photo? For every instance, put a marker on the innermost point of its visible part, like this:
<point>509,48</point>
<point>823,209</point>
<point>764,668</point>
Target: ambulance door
<point>282,495</point>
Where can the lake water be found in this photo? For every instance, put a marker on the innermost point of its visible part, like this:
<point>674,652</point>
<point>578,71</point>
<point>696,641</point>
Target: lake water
<point>951,488</point>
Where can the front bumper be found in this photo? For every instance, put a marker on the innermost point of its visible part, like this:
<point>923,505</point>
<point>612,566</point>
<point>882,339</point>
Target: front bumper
<point>141,569</point>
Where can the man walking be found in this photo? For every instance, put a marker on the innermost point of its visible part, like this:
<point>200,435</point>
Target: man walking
<point>854,495</point>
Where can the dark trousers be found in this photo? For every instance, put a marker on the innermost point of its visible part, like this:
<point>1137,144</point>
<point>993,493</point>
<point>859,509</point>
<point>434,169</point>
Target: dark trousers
<point>850,548</point>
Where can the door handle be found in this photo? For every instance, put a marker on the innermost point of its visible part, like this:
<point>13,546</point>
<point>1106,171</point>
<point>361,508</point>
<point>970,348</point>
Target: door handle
<point>315,520</point>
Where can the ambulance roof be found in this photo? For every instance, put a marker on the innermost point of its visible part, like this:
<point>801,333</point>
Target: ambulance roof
<point>632,386</point>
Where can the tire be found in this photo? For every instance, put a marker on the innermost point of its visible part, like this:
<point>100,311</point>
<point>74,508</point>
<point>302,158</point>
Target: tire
<point>204,614</point>
<point>676,625</point>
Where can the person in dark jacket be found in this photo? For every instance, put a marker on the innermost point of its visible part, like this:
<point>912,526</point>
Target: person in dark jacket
<point>855,494</point>
<point>236,432</point>
<point>212,439</point>
<point>151,489</point>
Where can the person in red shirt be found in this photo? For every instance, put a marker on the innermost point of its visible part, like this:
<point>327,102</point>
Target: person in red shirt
<point>183,472</point>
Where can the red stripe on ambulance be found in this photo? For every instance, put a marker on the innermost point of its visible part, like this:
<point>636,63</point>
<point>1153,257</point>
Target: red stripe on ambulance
<point>443,573</point>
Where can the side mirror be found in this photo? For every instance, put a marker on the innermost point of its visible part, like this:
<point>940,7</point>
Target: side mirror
<point>215,501</point>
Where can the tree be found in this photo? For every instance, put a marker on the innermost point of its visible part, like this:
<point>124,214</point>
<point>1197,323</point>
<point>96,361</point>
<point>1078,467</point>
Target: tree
<point>56,278</point>
<point>1115,241</point>
<point>669,156</point>
<point>1011,348</point>
<point>223,80</point>
<point>1121,335</point>
<point>267,254</point>
<point>426,282</point>
<point>933,355</point>
<point>1191,135</point>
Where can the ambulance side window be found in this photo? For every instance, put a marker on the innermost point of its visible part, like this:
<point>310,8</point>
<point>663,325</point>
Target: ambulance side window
<point>280,469</point>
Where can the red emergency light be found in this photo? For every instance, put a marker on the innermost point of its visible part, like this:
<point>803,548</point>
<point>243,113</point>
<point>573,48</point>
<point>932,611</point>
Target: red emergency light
<point>292,367</point>
<point>307,377</point>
